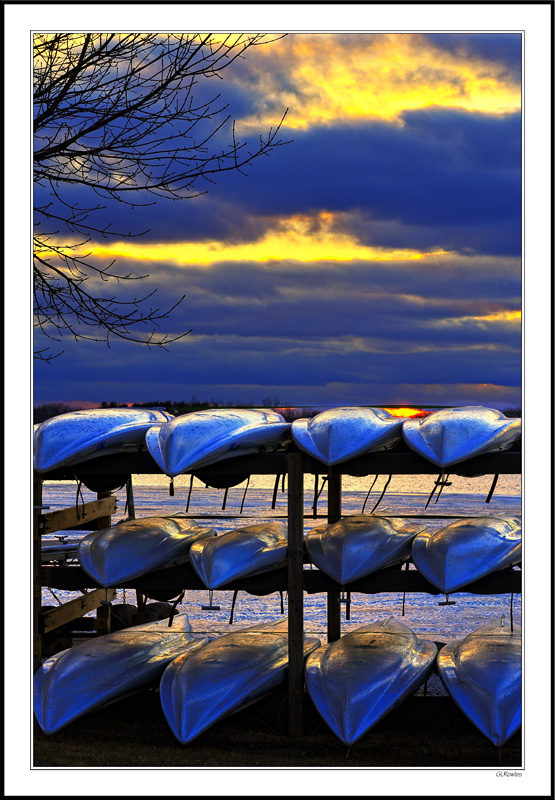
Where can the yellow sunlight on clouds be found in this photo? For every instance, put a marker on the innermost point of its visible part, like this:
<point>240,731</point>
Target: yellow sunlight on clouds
<point>297,238</point>
<point>358,76</point>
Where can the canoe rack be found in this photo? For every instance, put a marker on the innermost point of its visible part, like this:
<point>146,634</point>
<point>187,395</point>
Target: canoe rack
<point>292,578</point>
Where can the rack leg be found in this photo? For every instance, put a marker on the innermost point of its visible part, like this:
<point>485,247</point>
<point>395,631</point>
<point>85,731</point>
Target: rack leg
<point>295,593</point>
<point>334,514</point>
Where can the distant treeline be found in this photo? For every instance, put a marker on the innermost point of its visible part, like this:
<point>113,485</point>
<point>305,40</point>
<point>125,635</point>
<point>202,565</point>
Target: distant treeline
<point>47,410</point>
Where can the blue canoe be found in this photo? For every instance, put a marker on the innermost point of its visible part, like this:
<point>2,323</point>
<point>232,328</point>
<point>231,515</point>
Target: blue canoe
<point>195,440</point>
<point>138,546</point>
<point>466,550</point>
<point>357,680</point>
<point>453,435</point>
<point>483,675</point>
<point>340,434</point>
<point>93,674</point>
<point>199,688</point>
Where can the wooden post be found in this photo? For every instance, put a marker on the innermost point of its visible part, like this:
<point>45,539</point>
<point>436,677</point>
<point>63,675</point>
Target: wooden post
<point>103,522</point>
<point>37,588</point>
<point>295,497</point>
<point>334,515</point>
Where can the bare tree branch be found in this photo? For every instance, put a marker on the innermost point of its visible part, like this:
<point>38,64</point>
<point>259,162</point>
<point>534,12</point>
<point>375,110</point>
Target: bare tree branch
<point>119,114</point>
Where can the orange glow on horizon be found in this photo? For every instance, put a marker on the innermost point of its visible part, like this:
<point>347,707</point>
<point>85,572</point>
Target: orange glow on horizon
<point>407,412</point>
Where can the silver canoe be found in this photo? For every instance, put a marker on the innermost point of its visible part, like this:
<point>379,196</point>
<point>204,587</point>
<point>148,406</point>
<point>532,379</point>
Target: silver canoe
<point>199,688</point>
<point>92,674</point>
<point>243,551</point>
<point>340,434</point>
<point>358,679</point>
<point>200,438</point>
<point>483,675</point>
<point>466,550</point>
<point>359,545</point>
<point>80,435</point>
<point>455,434</point>
<point>137,546</point>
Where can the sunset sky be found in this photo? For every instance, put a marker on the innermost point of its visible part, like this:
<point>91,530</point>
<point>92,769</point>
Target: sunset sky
<point>376,259</point>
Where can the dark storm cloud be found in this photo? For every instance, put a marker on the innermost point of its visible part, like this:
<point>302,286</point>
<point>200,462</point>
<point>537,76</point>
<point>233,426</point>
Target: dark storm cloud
<point>501,48</point>
<point>447,179</point>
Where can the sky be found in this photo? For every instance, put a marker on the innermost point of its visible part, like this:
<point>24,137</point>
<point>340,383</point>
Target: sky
<point>373,260</point>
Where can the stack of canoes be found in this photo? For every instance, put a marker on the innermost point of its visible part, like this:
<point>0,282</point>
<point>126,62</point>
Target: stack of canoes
<point>78,436</point>
<point>450,558</point>
<point>353,682</point>
<point>138,546</point>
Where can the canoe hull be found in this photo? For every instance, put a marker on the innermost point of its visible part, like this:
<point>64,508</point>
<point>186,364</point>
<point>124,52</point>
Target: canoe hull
<point>466,550</point>
<point>483,675</point>
<point>244,551</point>
<point>340,434</point>
<point>200,688</point>
<point>359,545</point>
<point>92,674</point>
<point>137,546</point>
<point>78,436</point>
<point>357,680</point>
<point>201,438</point>
<point>456,434</point>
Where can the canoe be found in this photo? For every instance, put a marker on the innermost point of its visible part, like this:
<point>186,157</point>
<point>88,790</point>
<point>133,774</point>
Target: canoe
<point>358,679</point>
<point>136,547</point>
<point>340,434</point>
<point>78,436</point>
<point>483,675</point>
<point>195,440</point>
<point>359,545</point>
<point>199,688</point>
<point>455,434</point>
<point>243,551</point>
<point>466,550</point>
<point>92,674</point>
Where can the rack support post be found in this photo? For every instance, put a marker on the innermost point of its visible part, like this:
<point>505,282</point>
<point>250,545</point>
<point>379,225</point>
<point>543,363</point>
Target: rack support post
<point>295,496</point>
<point>334,515</point>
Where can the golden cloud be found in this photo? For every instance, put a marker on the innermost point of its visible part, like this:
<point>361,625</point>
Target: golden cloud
<point>323,78</point>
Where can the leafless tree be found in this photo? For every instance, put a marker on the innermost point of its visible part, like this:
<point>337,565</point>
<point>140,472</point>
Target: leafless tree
<point>117,114</point>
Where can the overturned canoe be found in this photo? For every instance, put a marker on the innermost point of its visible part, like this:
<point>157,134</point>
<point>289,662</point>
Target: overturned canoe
<point>199,688</point>
<point>137,546</point>
<point>243,551</point>
<point>200,438</point>
<point>455,434</point>
<point>78,436</point>
<point>466,550</point>
<point>358,679</point>
<point>483,675</point>
<point>92,674</point>
<point>340,434</point>
<point>359,545</point>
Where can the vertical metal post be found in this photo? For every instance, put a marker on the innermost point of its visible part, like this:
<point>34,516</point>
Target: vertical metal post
<point>37,588</point>
<point>334,515</point>
<point>295,496</point>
